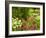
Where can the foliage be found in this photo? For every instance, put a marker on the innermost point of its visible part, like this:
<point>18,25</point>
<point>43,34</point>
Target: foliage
<point>16,23</point>
<point>28,14</point>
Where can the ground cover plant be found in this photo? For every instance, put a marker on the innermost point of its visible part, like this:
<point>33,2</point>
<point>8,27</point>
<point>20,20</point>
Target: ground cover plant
<point>25,18</point>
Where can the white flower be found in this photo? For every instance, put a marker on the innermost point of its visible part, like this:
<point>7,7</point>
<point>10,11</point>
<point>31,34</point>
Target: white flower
<point>19,20</point>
